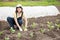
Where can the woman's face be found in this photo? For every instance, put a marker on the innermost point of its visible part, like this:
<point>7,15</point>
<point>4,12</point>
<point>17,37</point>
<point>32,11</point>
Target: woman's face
<point>19,10</point>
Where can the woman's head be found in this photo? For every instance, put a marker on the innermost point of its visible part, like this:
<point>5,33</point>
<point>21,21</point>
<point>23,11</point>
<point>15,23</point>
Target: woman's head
<point>19,8</point>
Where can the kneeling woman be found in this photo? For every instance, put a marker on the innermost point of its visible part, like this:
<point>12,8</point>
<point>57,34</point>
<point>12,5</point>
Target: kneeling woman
<point>18,18</point>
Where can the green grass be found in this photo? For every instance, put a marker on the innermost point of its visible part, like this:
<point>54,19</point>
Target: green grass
<point>29,3</point>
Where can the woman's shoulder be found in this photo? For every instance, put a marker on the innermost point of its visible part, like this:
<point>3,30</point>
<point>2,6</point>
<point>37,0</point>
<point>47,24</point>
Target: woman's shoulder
<point>14,13</point>
<point>24,15</point>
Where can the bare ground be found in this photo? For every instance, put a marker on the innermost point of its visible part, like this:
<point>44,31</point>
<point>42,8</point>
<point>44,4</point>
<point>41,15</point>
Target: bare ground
<point>41,22</point>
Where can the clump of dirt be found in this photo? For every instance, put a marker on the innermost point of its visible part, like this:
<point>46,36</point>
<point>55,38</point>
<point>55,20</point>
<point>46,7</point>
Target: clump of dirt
<point>33,33</point>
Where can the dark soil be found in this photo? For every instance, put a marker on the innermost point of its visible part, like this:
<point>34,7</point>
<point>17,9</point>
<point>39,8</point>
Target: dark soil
<point>41,22</point>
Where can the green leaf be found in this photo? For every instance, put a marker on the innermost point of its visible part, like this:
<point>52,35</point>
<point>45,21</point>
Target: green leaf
<point>31,34</point>
<point>50,25</point>
<point>7,38</point>
<point>19,35</point>
<point>1,33</point>
<point>58,25</point>
<point>33,25</point>
<point>42,30</point>
<point>12,30</point>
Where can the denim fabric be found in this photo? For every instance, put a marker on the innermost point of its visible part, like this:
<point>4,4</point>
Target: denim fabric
<point>12,22</point>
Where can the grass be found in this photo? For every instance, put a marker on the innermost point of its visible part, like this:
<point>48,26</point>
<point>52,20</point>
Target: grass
<point>29,3</point>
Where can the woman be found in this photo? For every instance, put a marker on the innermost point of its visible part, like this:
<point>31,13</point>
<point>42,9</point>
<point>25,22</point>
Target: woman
<point>18,18</point>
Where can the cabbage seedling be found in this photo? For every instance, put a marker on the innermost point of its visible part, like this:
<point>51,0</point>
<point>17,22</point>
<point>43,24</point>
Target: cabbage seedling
<point>58,26</point>
<point>7,38</point>
<point>33,25</point>
<point>42,30</point>
<point>19,35</point>
<point>12,30</point>
<point>31,34</point>
<point>50,26</point>
<point>1,33</point>
<point>49,23</point>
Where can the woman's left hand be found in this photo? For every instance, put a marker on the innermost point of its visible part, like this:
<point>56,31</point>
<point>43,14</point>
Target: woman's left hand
<point>25,29</point>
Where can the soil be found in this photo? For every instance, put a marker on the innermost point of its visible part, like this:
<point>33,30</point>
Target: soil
<point>41,22</point>
<point>58,7</point>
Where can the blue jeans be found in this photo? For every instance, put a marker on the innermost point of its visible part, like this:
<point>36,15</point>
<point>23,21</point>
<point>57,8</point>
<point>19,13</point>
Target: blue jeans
<point>11,21</point>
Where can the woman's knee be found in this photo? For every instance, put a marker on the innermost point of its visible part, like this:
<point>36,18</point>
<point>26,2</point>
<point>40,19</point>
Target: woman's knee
<point>9,19</point>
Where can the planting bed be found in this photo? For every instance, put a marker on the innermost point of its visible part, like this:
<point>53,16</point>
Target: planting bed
<point>39,32</point>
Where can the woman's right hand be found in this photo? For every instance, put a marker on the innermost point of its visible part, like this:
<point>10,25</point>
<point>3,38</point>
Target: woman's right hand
<point>20,28</point>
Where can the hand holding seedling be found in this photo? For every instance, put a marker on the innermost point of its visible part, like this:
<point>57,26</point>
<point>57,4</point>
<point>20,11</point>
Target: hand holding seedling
<point>24,28</point>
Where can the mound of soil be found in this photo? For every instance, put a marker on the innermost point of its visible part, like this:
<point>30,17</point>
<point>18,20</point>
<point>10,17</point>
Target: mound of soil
<point>33,33</point>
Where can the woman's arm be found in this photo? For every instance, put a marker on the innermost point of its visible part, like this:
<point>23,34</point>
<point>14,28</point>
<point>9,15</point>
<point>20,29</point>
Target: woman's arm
<point>25,19</point>
<point>15,18</point>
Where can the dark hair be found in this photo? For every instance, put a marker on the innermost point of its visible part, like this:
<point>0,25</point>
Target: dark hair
<point>17,11</point>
